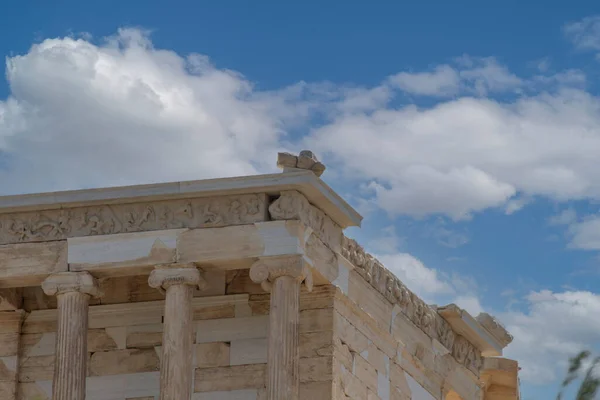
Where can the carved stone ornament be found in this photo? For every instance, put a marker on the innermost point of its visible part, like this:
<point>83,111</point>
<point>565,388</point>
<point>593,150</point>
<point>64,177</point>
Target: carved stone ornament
<point>494,327</point>
<point>135,217</point>
<point>305,160</point>
<point>292,205</point>
<point>63,282</point>
<point>415,309</point>
<point>163,277</point>
<point>266,270</point>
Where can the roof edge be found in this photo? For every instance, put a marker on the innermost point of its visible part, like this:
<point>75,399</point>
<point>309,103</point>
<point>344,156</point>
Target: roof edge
<point>466,325</point>
<point>306,182</point>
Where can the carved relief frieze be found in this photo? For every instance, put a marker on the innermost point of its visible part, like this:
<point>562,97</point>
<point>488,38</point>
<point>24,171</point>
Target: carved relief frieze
<point>415,309</point>
<point>293,205</point>
<point>317,251</point>
<point>38,226</point>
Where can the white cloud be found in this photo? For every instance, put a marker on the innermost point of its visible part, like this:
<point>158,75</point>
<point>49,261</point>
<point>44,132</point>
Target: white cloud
<point>470,303</point>
<point>486,75</point>
<point>473,75</point>
<point>433,286</point>
<point>424,281</point>
<point>565,217</point>
<point>554,327</point>
<point>442,81</point>
<point>467,155</point>
<point>516,204</point>
<point>585,33</point>
<point>585,235</point>
<point>569,77</point>
<point>85,115</point>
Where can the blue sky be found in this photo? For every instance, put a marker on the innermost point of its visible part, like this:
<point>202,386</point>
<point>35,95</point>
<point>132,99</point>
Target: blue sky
<point>467,136</point>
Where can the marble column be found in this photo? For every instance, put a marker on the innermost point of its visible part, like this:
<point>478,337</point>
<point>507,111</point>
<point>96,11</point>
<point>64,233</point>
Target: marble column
<point>73,291</point>
<point>176,368</point>
<point>282,276</point>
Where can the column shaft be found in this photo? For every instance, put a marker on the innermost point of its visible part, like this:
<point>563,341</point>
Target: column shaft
<point>71,346</point>
<point>176,364</point>
<point>283,354</point>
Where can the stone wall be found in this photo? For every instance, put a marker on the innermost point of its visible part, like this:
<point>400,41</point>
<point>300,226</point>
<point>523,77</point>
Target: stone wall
<point>124,342</point>
<point>379,353</point>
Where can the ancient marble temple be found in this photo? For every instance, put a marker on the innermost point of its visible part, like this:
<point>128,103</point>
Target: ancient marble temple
<point>226,289</point>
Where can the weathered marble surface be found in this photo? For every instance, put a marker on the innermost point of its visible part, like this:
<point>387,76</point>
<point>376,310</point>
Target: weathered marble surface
<point>293,205</point>
<point>282,276</point>
<point>73,291</point>
<point>421,314</point>
<point>36,226</point>
<point>176,369</point>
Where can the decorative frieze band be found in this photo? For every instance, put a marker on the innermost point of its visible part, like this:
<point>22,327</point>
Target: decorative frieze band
<point>421,314</point>
<point>267,269</point>
<point>36,226</point>
<point>293,205</point>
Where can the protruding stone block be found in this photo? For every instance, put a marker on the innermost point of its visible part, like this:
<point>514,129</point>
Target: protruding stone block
<point>305,160</point>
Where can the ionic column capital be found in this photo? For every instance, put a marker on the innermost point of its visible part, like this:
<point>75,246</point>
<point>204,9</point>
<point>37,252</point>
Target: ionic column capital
<point>64,282</point>
<point>162,277</point>
<point>267,269</point>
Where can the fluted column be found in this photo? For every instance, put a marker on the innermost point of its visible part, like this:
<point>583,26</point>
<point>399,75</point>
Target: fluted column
<point>73,291</point>
<point>176,362</point>
<point>282,276</point>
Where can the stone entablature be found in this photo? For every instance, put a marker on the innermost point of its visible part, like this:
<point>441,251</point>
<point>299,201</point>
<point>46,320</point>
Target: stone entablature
<point>292,205</point>
<point>495,328</point>
<point>38,226</point>
<point>422,315</point>
<point>323,241</point>
<point>292,224</point>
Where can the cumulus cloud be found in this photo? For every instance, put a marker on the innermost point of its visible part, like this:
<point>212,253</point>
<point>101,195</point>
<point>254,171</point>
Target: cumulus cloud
<point>470,303</point>
<point>429,283</point>
<point>470,154</point>
<point>585,33</point>
<point>585,235</point>
<point>124,112</point>
<point>516,204</point>
<point>442,81</point>
<point>424,281</point>
<point>83,114</point>
<point>565,217</point>
<point>554,327</point>
<point>474,75</point>
<point>486,75</point>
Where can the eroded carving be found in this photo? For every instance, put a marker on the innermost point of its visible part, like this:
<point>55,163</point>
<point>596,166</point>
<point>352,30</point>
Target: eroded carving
<point>163,277</point>
<point>292,205</point>
<point>317,251</point>
<point>305,160</point>
<point>465,353</point>
<point>494,327</point>
<point>267,269</point>
<point>415,309</point>
<point>444,332</point>
<point>64,282</point>
<point>135,217</point>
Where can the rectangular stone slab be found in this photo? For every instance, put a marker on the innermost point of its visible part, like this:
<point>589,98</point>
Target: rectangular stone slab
<point>28,264</point>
